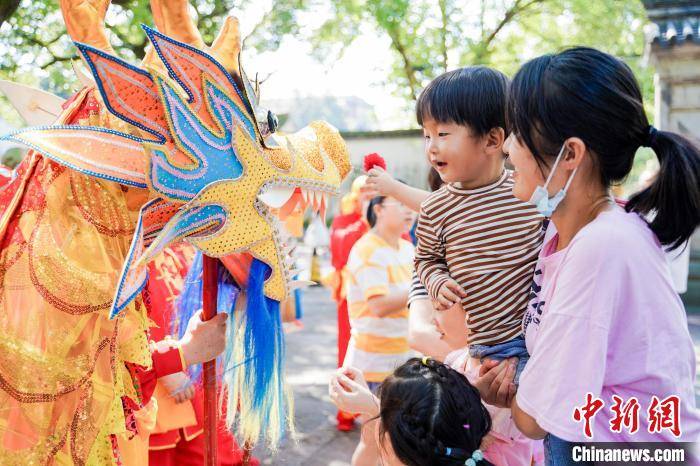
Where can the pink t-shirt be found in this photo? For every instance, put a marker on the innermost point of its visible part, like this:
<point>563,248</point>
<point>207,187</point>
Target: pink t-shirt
<point>604,319</point>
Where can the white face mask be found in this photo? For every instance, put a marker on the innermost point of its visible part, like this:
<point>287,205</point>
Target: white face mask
<point>540,196</point>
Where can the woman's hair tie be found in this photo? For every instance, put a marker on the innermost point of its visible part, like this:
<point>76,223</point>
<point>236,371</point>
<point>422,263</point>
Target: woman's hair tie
<point>650,136</point>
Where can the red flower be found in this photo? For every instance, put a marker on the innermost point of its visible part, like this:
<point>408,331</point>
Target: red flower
<point>374,160</point>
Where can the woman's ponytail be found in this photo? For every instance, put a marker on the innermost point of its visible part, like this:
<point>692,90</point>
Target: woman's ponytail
<point>672,202</point>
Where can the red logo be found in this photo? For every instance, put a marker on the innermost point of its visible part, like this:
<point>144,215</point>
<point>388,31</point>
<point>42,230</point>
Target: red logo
<point>661,415</point>
<point>626,415</point>
<point>587,412</point>
<point>664,414</point>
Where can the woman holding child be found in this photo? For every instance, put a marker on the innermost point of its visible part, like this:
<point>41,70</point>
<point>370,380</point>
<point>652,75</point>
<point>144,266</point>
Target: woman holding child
<point>604,319</point>
<point>604,327</point>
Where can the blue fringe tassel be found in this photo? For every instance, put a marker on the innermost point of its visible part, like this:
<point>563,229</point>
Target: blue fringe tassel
<point>264,337</point>
<point>263,341</point>
<point>190,301</point>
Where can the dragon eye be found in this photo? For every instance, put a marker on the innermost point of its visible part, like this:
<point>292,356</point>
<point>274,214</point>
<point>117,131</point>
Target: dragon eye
<point>272,121</point>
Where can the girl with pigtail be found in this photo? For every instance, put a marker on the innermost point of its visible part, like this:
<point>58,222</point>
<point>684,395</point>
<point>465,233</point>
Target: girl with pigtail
<point>426,413</point>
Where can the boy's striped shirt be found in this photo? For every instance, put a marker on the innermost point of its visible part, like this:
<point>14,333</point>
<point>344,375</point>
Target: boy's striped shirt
<point>377,344</point>
<point>487,241</point>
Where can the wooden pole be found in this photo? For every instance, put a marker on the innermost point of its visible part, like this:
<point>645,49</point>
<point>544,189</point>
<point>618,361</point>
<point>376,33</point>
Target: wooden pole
<point>209,292</point>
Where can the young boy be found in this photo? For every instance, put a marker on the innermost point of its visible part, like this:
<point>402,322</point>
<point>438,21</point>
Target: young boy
<point>477,243</point>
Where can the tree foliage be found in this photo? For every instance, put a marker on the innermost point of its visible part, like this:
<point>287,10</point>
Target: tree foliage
<point>427,37</point>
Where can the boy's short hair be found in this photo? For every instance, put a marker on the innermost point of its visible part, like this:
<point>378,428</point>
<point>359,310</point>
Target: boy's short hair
<point>474,96</point>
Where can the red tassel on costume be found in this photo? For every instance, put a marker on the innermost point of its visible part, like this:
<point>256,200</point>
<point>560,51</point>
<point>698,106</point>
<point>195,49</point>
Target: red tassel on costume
<point>374,160</point>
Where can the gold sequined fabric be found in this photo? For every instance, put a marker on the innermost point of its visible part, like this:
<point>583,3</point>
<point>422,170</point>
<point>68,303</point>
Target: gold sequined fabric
<point>62,360</point>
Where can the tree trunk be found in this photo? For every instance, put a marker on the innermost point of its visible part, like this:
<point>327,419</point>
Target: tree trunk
<point>7,9</point>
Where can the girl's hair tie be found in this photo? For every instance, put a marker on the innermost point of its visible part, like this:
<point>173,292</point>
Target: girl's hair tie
<point>476,457</point>
<point>456,453</point>
<point>424,361</point>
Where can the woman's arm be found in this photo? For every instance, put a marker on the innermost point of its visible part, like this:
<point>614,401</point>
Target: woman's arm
<point>381,183</point>
<point>526,423</point>
<point>423,335</point>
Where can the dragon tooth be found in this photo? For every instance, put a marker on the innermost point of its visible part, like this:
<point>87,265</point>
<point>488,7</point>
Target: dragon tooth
<point>314,201</point>
<point>323,209</point>
<point>276,196</point>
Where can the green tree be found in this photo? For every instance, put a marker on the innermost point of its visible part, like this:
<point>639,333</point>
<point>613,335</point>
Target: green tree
<point>429,37</point>
<point>35,49</point>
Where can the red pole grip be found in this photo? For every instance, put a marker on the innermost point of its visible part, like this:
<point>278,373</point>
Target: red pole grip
<point>209,293</point>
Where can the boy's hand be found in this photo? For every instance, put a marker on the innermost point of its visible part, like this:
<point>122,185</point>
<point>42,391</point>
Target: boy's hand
<point>449,294</point>
<point>379,183</point>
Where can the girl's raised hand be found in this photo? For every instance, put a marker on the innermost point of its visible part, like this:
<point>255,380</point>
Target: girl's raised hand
<point>353,373</point>
<point>352,395</point>
<point>495,382</point>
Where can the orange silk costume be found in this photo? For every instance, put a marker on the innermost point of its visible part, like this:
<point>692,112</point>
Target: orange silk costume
<point>65,388</point>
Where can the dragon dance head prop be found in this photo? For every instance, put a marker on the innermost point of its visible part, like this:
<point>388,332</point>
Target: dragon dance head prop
<point>218,177</point>
<point>188,128</point>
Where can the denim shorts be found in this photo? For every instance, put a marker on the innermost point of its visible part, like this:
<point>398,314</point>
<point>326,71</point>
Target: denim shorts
<point>513,348</point>
<point>557,452</point>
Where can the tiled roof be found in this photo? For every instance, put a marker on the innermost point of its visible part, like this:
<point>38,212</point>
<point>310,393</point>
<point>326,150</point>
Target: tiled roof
<point>673,22</point>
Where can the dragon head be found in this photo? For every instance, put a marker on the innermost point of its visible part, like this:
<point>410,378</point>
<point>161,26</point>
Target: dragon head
<point>218,176</point>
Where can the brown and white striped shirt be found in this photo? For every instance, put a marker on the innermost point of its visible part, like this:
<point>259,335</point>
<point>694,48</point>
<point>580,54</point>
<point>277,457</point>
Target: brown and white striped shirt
<point>487,241</point>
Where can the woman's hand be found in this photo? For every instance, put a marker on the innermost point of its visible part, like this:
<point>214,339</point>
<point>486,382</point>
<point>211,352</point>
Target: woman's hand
<point>203,341</point>
<point>179,386</point>
<point>379,183</point>
<point>350,393</point>
<point>495,382</point>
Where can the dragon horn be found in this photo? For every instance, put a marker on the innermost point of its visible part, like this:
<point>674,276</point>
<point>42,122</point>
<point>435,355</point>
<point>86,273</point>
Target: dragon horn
<point>227,45</point>
<point>172,19</point>
<point>85,22</point>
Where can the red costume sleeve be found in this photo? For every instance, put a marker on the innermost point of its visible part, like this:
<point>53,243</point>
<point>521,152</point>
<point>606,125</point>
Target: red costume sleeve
<point>169,362</point>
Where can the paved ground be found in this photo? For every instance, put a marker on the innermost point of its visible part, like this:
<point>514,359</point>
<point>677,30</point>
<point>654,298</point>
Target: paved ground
<point>311,360</point>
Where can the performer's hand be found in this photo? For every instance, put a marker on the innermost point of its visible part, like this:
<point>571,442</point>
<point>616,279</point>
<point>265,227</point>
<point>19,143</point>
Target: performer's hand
<point>352,395</point>
<point>449,293</point>
<point>495,382</point>
<point>204,341</point>
<point>379,183</point>
<point>179,386</point>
